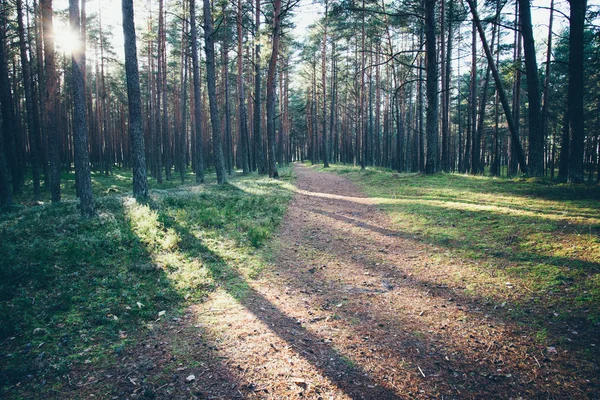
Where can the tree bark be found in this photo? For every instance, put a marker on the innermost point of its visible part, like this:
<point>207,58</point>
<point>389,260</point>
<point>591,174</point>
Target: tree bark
<point>199,161</point>
<point>575,91</point>
<point>34,139</point>
<point>50,98</point>
<point>432,126</point>
<point>80,133</point>
<point>242,114</point>
<point>271,87</point>
<point>258,141</point>
<point>136,134</point>
<point>536,135</point>
<point>209,41</point>
<point>324,84</point>
<point>9,128</point>
<point>501,92</point>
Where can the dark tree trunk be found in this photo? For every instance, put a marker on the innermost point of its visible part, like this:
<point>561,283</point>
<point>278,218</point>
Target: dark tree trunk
<point>209,41</point>
<point>50,98</point>
<point>575,93</point>
<point>324,84</point>
<point>227,142</point>
<point>242,115</point>
<point>162,61</point>
<point>271,87</point>
<point>259,154</point>
<point>536,135</point>
<point>80,134</point>
<point>432,126</point>
<point>503,99</point>
<point>136,133</point>
<point>9,128</point>
<point>199,161</point>
<point>7,118</point>
<point>34,139</point>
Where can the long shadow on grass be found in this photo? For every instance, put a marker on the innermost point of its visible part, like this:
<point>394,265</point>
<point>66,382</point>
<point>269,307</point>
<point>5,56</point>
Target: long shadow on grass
<point>468,358</point>
<point>70,289</point>
<point>351,379</point>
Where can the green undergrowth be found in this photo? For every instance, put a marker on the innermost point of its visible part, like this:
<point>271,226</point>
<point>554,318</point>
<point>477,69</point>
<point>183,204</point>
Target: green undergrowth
<point>76,291</point>
<point>531,240</point>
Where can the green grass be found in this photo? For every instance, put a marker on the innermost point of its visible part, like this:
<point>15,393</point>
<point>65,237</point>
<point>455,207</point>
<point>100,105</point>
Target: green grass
<point>75,291</point>
<point>543,238</point>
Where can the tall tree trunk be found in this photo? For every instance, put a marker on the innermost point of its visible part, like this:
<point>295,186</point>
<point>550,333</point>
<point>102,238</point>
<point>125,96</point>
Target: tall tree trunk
<point>6,115</point>
<point>34,139</point>
<point>477,166</point>
<point>162,61</point>
<point>536,135</point>
<point>513,166</point>
<point>50,99</point>
<point>271,87</point>
<point>9,132</point>
<point>136,133</point>
<point>108,153</point>
<point>259,154</point>
<point>199,162</point>
<point>432,88</point>
<point>498,81</point>
<point>209,41</point>
<point>362,151</point>
<point>80,134</point>
<point>576,88</point>
<point>242,115</point>
<point>472,112</point>
<point>228,143</point>
<point>324,84</point>
<point>184,112</point>
<point>545,99</point>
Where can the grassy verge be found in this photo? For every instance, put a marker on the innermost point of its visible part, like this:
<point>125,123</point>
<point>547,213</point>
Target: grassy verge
<point>530,242</point>
<point>76,291</point>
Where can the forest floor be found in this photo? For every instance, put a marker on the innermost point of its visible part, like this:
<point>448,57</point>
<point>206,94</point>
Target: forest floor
<point>355,305</point>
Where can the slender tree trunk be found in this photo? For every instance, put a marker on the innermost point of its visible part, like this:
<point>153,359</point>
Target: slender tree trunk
<point>259,155</point>
<point>136,134</point>
<point>324,84</point>
<point>6,114</point>
<point>536,136</point>
<point>498,81</point>
<point>362,151</point>
<point>209,41</point>
<point>242,114</point>
<point>545,114</point>
<point>432,88</point>
<point>80,134</point>
<point>199,162</point>
<point>50,99</point>
<point>184,111</point>
<point>10,133</point>
<point>108,154</point>
<point>228,143</point>
<point>162,61</point>
<point>271,87</point>
<point>34,140</point>
<point>575,92</point>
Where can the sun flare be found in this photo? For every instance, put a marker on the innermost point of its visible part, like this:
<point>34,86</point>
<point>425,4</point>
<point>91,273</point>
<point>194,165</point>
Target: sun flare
<point>65,40</point>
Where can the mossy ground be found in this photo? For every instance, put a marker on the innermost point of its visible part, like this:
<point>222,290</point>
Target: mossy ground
<point>77,291</point>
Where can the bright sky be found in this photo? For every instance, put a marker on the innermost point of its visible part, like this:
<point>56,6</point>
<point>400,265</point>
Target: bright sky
<point>306,13</point>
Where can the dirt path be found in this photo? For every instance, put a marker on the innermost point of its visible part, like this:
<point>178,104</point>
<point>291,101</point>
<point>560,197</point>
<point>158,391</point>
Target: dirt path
<point>352,309</point>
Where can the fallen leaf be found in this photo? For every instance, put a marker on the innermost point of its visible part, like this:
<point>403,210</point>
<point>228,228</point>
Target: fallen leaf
<point>161,313</point>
